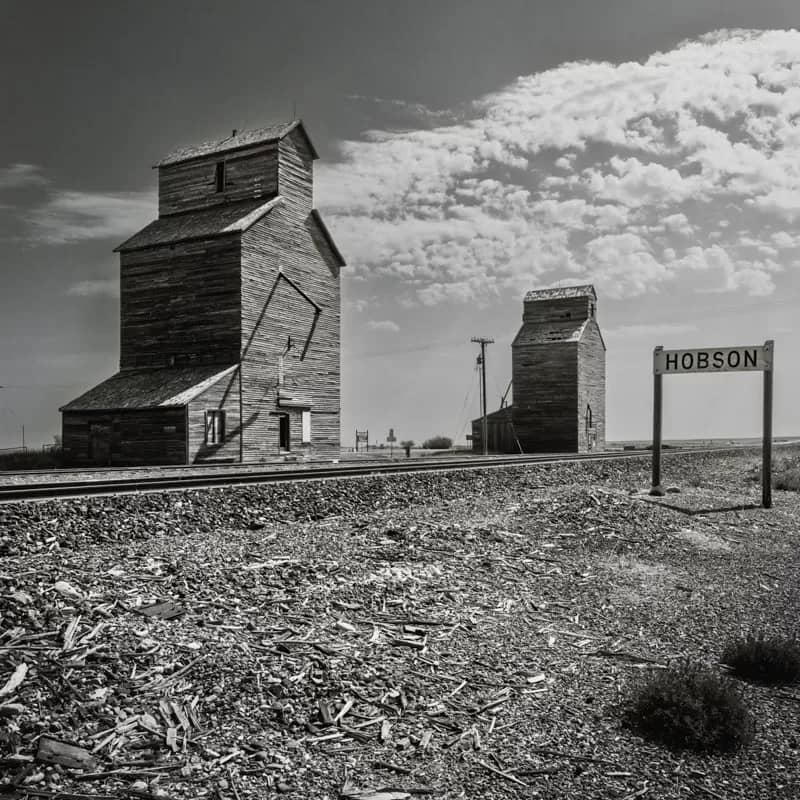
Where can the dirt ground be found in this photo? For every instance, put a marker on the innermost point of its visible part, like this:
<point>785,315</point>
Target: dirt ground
<point>453,635</point>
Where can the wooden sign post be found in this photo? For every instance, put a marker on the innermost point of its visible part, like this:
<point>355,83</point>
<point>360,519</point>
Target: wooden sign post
<point>391,438</point>
<point>716,359</point>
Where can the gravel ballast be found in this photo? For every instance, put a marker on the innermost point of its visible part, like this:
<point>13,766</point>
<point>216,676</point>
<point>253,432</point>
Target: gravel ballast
<point>469,634</point>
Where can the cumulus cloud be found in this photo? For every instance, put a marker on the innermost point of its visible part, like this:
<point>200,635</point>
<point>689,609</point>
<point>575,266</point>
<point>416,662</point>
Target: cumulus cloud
<point>634,183</point>
<point>784,203</point>
<point>16,176</point>
<point>626,263</point>
<point>69,216</point>
<point>615,173</point>
<point>385,325</point>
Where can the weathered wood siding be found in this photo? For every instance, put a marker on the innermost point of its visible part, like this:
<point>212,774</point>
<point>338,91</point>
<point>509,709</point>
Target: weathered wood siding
<point>180,304</point>
<point>500,433</point>
<point>591,386</point>
<point>546,396</point>
<point>249,174</point>
<point>296,173</point>
<point>224,396</point>
<point>143,436</point>
<point>539,311</point>
<point>273,310</point>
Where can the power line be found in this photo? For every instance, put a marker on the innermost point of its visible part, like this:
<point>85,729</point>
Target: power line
<point>464,407</point>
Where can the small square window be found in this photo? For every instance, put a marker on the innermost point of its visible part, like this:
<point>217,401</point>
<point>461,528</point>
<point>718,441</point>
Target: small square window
<point>219,176</point>
<point>215,426</point>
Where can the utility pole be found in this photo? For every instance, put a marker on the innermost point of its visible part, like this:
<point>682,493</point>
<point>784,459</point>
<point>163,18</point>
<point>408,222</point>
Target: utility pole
<point>485,428</point>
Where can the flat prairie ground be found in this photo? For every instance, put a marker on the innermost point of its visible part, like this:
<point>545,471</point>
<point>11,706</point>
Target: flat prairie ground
<point>469,634</point>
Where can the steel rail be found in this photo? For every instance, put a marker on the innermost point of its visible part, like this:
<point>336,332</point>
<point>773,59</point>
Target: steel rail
<point>84,488</point>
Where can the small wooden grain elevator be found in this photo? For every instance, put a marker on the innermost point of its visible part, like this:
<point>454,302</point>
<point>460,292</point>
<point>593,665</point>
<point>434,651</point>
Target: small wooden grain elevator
<point>559,378</point>
<point>230,316</point>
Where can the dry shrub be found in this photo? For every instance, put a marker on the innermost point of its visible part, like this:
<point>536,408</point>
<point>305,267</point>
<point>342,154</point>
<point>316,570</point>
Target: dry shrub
<point>764,659</point>
<point>689,707</point>
<point>785,473</point>
<point>788,479</point>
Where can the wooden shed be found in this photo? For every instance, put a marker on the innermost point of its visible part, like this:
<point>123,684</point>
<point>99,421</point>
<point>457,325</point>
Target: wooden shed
<point>558,377</point>
<point>230,316</point>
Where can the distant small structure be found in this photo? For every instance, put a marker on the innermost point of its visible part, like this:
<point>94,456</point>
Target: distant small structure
<point>558,376</point>
<point>230,316</point>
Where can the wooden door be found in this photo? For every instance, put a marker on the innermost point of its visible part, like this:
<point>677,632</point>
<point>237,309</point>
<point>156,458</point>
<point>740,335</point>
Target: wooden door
<point>284,441</point>
<point>100,442</point>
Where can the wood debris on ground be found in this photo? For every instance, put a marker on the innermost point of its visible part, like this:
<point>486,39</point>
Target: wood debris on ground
<point>466,634</point>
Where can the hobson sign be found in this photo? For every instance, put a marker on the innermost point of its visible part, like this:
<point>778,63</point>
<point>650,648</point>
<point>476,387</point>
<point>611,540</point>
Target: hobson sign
<point>755,358</point>
<point>713,359</point>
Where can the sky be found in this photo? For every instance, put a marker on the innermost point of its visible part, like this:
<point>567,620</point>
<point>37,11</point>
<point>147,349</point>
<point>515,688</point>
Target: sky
<point>469,152</point>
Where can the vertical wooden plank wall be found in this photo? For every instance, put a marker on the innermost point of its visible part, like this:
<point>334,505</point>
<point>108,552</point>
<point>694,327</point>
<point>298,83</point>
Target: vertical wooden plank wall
<point>179,304</point>
<point>546,396</point>
<point>559,310</point>
<point>272,310</point>
<point>249,173</point>
<point>138,436</point>
<point>591,386</point>
<point>223,395</point>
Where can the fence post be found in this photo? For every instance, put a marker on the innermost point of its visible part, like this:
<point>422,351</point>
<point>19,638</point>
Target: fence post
<point>766,462</point>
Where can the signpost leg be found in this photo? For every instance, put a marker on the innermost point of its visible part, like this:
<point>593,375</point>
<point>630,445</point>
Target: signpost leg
<point>655,488</point>
<point>766,465</point>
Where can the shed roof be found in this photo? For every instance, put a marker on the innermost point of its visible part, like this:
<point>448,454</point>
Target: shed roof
<point>561,293</point>
<point>550,332</point>
<point>149,388</point>
<point>273,133</point>
<point>217,220</point>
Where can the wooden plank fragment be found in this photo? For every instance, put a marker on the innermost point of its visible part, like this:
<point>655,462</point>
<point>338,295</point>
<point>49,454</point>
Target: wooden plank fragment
<point>180,715</point>
<point>343,711</point>
<point>55,751</point>
<point>165,610</point>
<point>325,712</point>
<point>69,633</point>
<point>425,741</point>
<point>507,775</point>
<point>15,680</point>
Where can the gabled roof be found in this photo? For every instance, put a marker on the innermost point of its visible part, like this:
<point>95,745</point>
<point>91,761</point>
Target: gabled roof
<point>550,332</point>
<point>323,229</point>
<point>273,133</point>
<point>217,220</point>
<point>149,388</point>
<point>561,293</point>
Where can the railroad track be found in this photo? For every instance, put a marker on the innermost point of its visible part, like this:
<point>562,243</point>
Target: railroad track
<point>203,480</point>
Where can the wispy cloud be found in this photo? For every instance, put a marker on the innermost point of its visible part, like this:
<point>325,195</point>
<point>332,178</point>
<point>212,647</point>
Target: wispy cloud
<point>683,169</point>
<point>655,329</point>
<point>16,176</point>
<point>93,288</point>
<point>71,216</point>
<point>403,113</point>
<point>385,325</point>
